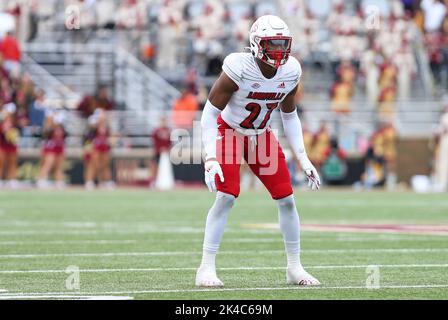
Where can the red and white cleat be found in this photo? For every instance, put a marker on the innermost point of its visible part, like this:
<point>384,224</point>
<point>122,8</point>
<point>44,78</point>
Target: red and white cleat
<point>299,276</point>
<point>206,277</point>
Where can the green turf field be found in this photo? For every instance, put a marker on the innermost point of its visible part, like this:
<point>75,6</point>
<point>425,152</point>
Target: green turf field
<point>147,245</point>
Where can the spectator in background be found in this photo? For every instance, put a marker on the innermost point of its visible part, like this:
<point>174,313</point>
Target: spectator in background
<point>434,13</point>
<point>240,31</point>
<point>407,68</point>
<point>202,96</point>
<point>390,153</point>
<point>148,54</point>
<point>23,97</point>
<point>14,9</point>
<point>52,158</point>
<point>321,143</point>
<point>334,167</point>
<point>10,50</point>
<point>388,75</point>
<point>131,14</point>
<point>214,59</point>
<point>388,90</point>
<point>100,100</point>
<point>162,143</point>
<point>36,111</point>
<point>184,110</point>
<point>410,6</point>
<point>191,82</point>
<point>341,95</point>
<point>105,14</point>
<point>9,139</point>
<point>371,73</point>
<point>170,33</point>
<point>6,91</point>
<point>374,171</point>
<point>383,142</point>
<point>386,102</point>
<point>3,72</point>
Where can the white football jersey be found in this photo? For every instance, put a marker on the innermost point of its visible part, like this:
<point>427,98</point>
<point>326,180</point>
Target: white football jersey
<point>249,110</point>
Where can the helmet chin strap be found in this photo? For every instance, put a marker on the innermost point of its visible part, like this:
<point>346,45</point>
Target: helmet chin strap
<point>276,65</point>
<point>277,61</point>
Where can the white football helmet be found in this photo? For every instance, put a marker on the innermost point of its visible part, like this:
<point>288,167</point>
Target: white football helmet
<point>270,40</point>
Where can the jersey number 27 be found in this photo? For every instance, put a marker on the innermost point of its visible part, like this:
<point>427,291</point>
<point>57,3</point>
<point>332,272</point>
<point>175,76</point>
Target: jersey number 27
<point>255,110</point>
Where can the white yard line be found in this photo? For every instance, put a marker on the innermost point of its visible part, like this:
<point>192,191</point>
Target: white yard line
<point>244,252</point>
<point>123,231</point>
<point>225,269</point>
<point>57,296</point>
<point>281,288</point>
<point>289,288</point>
<point>198,240</point>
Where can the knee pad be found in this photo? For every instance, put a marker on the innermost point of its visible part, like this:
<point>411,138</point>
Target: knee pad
<point>224,200</point>
<point>287,203</point>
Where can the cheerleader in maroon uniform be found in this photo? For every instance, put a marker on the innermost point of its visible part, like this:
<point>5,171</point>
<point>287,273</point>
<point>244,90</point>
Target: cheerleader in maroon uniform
<point>162,143</point>
<point>9,138</point>
<point>52,158</point>
<point>99,152</point>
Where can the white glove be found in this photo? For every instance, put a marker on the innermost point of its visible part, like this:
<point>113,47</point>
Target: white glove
<point>212,168</point>
<point>310,172</point>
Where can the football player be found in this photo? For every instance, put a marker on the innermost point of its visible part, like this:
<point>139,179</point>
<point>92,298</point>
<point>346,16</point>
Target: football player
<point>235,125</point>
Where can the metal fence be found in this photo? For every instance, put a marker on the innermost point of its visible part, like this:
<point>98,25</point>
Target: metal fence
<point>81,67</point>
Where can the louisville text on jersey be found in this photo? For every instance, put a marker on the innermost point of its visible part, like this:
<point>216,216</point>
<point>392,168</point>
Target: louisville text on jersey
<point>265,95</point>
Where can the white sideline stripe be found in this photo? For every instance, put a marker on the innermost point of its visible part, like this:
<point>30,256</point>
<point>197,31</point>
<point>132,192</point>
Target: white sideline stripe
<point>132,231</point>
<point>226,268</point>
<point>181,253</point>
<point>231,240</point>
<point>423,286</point>
<point>234,240</point>
<point>57,296</point>
<point>124,232</point>
<point>68,242</point>
<point>199,240</point>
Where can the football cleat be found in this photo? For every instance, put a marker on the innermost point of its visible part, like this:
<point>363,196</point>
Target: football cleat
<point>206,277</point>
<point>298,276</point>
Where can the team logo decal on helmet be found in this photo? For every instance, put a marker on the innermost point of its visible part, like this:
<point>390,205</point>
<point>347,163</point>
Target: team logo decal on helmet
<point>270,40</point>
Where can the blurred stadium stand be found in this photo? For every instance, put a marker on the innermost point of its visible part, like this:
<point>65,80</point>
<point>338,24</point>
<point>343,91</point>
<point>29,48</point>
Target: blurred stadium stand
<point>143,51</point>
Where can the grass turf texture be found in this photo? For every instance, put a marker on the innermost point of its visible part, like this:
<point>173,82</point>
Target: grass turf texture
<point>147,245</point>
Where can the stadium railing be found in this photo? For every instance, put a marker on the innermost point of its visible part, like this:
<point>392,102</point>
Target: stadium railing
<point>82,67</point>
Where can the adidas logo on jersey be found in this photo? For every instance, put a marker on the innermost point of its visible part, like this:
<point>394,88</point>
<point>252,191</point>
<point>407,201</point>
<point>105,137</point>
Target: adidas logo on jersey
<point>281,85</point>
